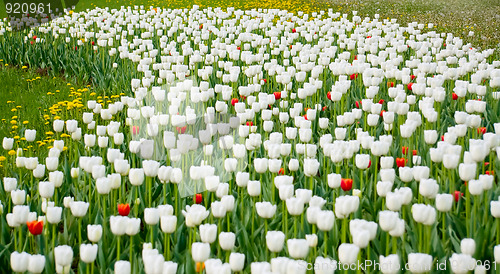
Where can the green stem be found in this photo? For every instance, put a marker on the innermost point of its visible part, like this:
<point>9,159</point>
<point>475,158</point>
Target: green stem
<point>118,248</point>
<point>80,231</point>
<point>325,243</point>
<point>498,231</point>
<point>467,211</point>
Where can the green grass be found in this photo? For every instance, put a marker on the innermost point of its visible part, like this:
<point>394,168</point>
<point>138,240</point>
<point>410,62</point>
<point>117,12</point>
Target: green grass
<point>27,96</point>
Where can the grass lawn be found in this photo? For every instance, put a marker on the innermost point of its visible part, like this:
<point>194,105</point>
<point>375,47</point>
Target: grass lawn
<point>28,100</point>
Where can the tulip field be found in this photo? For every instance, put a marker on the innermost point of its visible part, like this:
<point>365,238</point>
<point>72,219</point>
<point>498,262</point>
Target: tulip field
<point>227,140</point>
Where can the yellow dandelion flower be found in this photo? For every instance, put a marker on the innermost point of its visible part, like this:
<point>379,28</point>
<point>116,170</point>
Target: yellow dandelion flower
<point>3,158</point>
<point>14,127</point>
<point>12,152</point>
<point>25,122</point>
<point>16,137</point>
<point>23,138</point>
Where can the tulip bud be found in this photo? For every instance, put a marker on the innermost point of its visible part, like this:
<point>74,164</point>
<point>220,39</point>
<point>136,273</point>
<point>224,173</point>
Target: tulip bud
<point>151,216</point>
<point>275,240</point>
<point>122,267</point>
<point>200,251</point>
<point>444,202</point>
<point>94,233</point>
<point>419,262</point>
<point>348,253</point>
<point>325,220</point>
<point>88,253</point>
<point>391,264</point>
<point>36,263</point>
<point>237,261</point>
<point>468,246</point>
<point>227,240</point>
<point>19,261</point>
<point>118,225</point>
<point>168,224</point>
<point>63,255</point>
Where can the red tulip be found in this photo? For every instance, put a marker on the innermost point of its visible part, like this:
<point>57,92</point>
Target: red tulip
<point>234,101</point>
<point>457,195</point>
<point>93,43</point>
<point>281,171</point>
<point>324,108</point>
<point>135,130</point>
<point>265,81</point>
<point>353,76</point>
<point>390,84</point>
<point>35,227</point>
<point>238,48</point>
<point>382,113</point>
<point>201,26</point>
<point>409,86</point>
<point>414,152</point>
<point>34,37</point>
<point>404,150</point>
<point>369,163</point>
<point>358,104</point>
<point>329,95</point>
<point>294,30</point>
<point>400,162</point>
<point>346,184</point>
<point>412,77</point>
<point>489,172</point>
<point>277,95</point>
<point>249,123</point>
<point>481,130</point>
<point>454,96</point>
<point>381,101</point>
<point>198,198</point>
<point>123,209</point>
<point>181,130</point>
